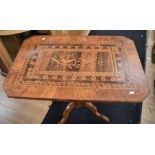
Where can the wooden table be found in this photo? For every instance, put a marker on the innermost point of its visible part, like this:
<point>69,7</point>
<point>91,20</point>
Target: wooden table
<point>78,69</point>
<point>4,53</point>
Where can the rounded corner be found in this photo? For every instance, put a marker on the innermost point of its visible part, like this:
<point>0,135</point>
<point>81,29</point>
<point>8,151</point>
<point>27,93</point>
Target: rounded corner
<point>31,38</point>
<point>127,39</point>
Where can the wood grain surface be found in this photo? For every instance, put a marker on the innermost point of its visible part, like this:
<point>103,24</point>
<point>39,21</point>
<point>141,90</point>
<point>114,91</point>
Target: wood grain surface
<point>81,68</point>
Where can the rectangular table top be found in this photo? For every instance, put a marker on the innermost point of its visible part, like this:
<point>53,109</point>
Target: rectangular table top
<point>87,68</point>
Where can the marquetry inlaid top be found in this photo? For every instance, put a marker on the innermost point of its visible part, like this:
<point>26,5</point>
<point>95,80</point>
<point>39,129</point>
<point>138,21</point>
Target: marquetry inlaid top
<point>89,68</point>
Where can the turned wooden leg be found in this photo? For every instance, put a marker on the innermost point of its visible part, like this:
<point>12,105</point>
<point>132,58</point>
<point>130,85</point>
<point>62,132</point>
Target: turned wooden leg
<point>93,109</point>
<point>66,113</point>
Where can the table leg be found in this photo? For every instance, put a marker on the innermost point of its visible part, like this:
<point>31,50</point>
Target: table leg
<point>4,55</point>
<point>93,109</point>
<point>66,113</point>
<point>88,105</point>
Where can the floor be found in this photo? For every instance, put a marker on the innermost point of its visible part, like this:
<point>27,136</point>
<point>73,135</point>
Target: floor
<point>148,111</point>
<point>21,110</point>
<point>33,111</point>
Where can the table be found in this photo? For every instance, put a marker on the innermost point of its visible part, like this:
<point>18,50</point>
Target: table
<point>4,54</point>
<point>78,69</point>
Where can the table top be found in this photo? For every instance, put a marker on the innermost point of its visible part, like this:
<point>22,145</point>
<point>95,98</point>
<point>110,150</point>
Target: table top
<point>81,68</point>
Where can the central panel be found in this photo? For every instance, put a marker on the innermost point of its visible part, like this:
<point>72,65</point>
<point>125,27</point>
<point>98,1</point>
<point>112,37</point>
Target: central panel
<point>76,61</point>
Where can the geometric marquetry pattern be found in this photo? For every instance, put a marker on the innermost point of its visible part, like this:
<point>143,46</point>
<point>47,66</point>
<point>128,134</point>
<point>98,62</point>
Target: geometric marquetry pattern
<point>75,65</point>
